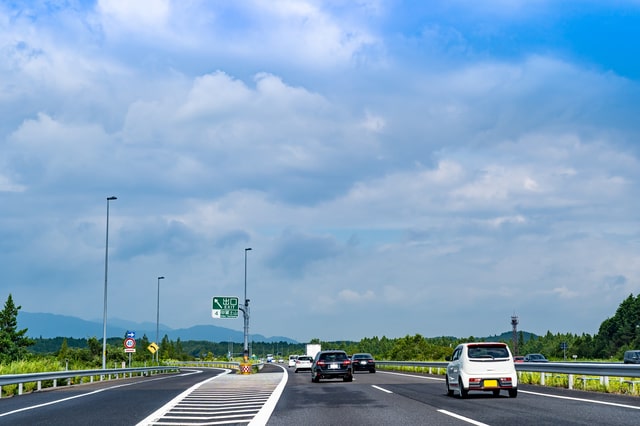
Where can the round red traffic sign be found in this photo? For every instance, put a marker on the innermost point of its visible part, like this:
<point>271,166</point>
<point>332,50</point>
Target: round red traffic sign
<point>129,343</point>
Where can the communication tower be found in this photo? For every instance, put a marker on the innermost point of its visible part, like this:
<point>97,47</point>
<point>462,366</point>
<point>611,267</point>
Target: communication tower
<point>514,333</point>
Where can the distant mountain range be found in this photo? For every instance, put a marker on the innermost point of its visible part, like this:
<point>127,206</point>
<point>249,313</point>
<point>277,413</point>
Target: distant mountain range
<point>52,325</point>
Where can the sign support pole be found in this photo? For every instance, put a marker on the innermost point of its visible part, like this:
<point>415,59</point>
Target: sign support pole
<point>246,310</point>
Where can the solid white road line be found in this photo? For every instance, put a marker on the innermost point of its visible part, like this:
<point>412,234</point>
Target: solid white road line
<point>267,409</point>
<point>57,401</point>
<point>592,401</point>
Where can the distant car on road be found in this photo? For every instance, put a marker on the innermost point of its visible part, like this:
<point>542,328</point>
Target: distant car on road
<point>632,357</point>
<point>481,366</point>
<point>535,358</point>
<point>292,360</point>
<point>363,361</point>
<point>303,363</point>
<point>518,359</point>
<point>331,365</point>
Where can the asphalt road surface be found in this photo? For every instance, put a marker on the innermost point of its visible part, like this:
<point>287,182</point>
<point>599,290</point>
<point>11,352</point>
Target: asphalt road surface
<point>387,398</point>
<point>279,397</point>
<point>113,402</point>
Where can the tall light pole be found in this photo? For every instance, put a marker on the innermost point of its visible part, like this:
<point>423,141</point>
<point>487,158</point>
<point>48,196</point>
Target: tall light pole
<point>158,321</point>
<point>106,263</point>
<point>246,309</point>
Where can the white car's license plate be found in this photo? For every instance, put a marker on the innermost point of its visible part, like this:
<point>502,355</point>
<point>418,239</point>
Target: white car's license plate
<point>333,366</point>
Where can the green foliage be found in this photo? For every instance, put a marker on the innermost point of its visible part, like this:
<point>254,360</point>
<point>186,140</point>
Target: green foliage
<point>620,332</point>
<point>617,334</point>
<point>13,342</point>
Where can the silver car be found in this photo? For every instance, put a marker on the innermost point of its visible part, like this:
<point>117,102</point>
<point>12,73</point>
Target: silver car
<point>481,366</point>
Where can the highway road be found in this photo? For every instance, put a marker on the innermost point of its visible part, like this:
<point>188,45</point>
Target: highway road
<point>279,397</point>
<point>387,398</point>
<point>113,402</point>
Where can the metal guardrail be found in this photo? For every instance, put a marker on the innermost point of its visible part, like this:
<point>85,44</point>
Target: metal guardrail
<point>212,364</point>
<point>422,364</point>
<point>603,370</point>
<point>54,376</point>
<point>584,368</point>
<point>107,374</point>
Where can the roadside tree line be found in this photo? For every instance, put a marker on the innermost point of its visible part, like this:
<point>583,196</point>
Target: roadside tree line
<point>617,334</point>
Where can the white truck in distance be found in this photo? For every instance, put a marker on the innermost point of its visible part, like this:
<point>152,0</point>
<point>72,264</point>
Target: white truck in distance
<point>313,349</point>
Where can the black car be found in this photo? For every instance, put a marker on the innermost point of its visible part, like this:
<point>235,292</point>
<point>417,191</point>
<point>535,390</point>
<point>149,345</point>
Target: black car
<point>363,362</point>
<point>535,358</point>
<point>632,357</point>
<point>331,365</point>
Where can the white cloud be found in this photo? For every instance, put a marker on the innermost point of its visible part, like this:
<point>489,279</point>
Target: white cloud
<point>565,293</point>
<point>135,16</point>
<point>306,33</point>
<point>348,295</point>
<point>219,126</point>
<point>7,185</point>
<point>519,219</point>
<point>373,122</point>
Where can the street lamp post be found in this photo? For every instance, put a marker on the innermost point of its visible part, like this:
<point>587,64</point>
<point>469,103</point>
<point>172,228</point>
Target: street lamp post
<point>106,263</point>
<point>246,309</point>
<point>158,321</point>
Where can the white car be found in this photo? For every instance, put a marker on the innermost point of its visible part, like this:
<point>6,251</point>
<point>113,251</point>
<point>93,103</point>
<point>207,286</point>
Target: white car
<point>292,360</point>
<point>481,366</point>
<point>303,362</point>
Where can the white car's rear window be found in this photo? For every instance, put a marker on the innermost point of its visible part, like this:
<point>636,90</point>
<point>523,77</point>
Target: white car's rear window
<point>487,352</point>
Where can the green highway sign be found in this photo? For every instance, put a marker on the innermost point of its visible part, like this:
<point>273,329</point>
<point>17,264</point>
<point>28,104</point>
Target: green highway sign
<point>224,307</point>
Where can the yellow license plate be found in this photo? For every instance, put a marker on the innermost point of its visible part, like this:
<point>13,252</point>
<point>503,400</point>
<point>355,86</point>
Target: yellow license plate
<point>490,383</point>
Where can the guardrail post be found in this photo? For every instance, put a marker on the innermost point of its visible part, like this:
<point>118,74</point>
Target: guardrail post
<point>542,377</point>
<point>570,381</point>
<point>19,388</point>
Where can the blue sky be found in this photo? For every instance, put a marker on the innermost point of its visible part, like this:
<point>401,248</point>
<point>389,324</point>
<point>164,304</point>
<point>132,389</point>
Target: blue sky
<point>396,168</point>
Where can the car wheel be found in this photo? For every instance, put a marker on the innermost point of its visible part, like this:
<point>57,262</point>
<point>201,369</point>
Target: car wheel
<point>296,370</point>
<point>513,393</point>
<point>449,390</point>
<point>372,371</point>
<point>464,393</point>
<point>348,378</point>
<point>496,392</point>
<point>315,379</point>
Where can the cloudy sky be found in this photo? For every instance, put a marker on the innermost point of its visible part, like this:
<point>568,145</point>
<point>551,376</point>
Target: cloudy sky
<point>397,167</point>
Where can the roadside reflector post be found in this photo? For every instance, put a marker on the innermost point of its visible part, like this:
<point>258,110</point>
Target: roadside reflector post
<point>245,368</point>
